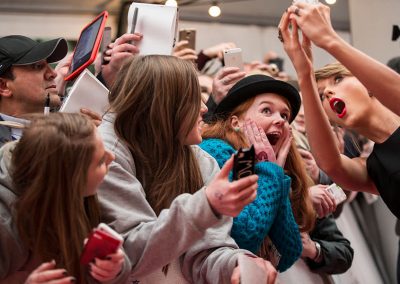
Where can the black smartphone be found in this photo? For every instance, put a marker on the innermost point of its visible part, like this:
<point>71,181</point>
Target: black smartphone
<point>243,163</point>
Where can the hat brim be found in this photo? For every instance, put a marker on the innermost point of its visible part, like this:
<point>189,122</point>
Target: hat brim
<point>258,84</point>
<point>52,50</point>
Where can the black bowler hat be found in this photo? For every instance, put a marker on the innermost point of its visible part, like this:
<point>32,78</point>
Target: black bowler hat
<point>21,50</point>
<point>254,85</point>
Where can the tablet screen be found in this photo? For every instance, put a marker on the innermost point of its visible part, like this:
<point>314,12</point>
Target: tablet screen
<point>87,47</point>
<point>84,47</point>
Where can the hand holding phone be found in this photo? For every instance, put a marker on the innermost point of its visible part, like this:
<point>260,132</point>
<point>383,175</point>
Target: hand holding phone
<point>337,193</point>
<point>101,242</point>
<point>105,41</point>
<point>190,36</point>
<point>243,163</point>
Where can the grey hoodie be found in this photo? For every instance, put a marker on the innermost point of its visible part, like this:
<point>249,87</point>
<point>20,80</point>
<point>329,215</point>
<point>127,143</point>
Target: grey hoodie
<point>188,230</point>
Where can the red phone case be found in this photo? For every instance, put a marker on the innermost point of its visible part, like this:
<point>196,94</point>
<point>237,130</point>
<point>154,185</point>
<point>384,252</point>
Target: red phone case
<point>99,245</point>
<point>94,50</point>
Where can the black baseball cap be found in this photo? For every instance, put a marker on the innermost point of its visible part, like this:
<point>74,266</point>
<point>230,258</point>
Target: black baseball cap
<point>21,50</point>
<point>254,85</point>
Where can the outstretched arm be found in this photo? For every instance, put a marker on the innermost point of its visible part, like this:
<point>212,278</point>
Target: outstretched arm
<point>315,23</point>
<point>349,173</point>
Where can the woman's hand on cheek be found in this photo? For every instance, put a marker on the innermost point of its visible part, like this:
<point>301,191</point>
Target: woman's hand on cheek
<point>257,137</point>
<point>284,145</point>
<point>107,269</point>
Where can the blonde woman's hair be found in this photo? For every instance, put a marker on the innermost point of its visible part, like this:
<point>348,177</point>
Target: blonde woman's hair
<point>301,202</point>
<point>50,169</point>
<point>330,70</point>
<point>157,100</point>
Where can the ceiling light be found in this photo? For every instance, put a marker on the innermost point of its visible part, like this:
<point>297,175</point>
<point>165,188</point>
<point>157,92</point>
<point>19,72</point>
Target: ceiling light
<point>215,10</point>
<point>171,3</point>
<point>330,2</point>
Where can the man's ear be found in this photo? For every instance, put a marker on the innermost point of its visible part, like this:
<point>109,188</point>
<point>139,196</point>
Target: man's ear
<point>4,90</point>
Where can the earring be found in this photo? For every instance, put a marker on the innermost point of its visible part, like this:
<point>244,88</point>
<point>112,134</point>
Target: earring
<point>236,129</point>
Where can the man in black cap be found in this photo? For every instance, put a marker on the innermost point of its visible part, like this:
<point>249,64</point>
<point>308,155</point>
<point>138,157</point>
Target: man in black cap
<point>26,80</point>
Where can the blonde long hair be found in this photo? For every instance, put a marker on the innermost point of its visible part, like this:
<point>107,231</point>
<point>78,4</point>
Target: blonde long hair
<point>302,208</point>
<point>156,100</point>
<point>50,168</point>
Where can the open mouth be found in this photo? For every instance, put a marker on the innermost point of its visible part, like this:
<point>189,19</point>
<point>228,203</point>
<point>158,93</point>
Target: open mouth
<point>273,138</point>
<point>338,106</point>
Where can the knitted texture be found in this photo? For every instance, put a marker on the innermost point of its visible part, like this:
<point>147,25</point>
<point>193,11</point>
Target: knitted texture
<point>270,214</point>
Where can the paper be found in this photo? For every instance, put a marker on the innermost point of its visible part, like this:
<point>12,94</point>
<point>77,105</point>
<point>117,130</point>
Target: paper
<point>87,92</point>
<point>250,272</point>
<point>158,25</point>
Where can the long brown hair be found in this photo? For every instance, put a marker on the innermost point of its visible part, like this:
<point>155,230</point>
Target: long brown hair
<point>50,168</point>
<point>301,203</point>
<point>156,100</point>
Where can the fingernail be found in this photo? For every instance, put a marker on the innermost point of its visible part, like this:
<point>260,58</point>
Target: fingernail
<point>65,273</point>
<point>73,280</point>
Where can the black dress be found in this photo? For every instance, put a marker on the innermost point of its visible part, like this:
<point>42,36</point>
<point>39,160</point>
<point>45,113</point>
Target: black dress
<point>383,167</point>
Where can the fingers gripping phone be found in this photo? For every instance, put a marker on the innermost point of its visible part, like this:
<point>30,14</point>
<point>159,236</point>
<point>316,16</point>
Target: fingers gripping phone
<point>243,163</point>
<point>102,241</point>
<point>105,41</point>
<point>233,58</point>
<point>337,193</point>
<point>190,36</point>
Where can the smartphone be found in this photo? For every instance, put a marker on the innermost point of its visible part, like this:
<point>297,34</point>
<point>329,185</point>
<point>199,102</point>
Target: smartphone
<point>337,193</point>
<point>243,163</point>
<point>233,58</point>
<point>88,45</point>
<point>102,241</point>
<point>190,36</point>
<point>105,41</point>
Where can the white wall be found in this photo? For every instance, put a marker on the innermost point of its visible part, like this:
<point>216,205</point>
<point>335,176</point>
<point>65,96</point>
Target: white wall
<point>371,27</point>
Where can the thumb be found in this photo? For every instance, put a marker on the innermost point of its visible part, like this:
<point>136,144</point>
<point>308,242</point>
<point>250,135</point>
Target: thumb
<point>226,169</point>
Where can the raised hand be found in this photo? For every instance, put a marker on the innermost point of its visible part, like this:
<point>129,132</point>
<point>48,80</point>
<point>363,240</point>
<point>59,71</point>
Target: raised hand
<point>229,198</point>
<point>183,52</point>
<point>124,47</point>
<point>224,81</point>
<point>314,21</point>
<point>300,53</point>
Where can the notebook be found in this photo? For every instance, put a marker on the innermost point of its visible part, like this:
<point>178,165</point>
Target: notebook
<point>87,92</point>
<point>158,24</point>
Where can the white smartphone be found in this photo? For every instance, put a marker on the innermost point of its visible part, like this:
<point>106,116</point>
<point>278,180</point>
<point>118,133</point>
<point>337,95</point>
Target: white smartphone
<point>337,193</point>
<point>312,2</point>
<point>233,58</point>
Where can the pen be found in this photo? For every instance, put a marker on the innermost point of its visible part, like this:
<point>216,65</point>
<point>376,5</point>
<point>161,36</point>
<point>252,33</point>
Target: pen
<point>134,20</point>
<point>47,105</point>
